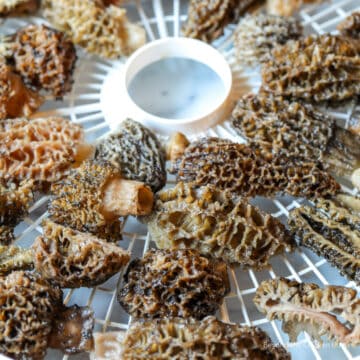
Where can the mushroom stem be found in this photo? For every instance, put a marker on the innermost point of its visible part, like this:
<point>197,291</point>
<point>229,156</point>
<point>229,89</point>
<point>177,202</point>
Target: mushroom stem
<point>176,146</point>
<point>126,197</point>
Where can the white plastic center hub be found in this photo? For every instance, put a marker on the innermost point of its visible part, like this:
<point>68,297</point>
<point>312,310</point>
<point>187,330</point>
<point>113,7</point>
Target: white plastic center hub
<point>119,102</point>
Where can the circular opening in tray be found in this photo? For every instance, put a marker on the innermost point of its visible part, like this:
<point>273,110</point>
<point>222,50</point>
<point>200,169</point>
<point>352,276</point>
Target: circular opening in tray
<point>172,84</point>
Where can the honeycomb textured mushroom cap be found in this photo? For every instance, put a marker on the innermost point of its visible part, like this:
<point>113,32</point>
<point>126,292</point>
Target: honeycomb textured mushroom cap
<point>210,338</point>
<point>174,283</point>
<point>207,19</point>
<point>332,230</point>
<point>216,223</point>
<point>256,35</point>
<point>27,306</point>
<point>316,69</point>
<point>42,149</point>
<point>44,57</point>
<point>71,259</point>
<point>136,151</point>
<point>240,169</point>
<point>273,125</point>
<point>95,25</point>
<point>77,200</point>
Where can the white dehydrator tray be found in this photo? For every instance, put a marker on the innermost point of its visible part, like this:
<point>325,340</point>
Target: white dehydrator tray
<point>83,105</point>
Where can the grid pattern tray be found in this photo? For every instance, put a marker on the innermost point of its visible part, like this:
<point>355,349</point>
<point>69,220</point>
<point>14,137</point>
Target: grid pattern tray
<point>83,106</point>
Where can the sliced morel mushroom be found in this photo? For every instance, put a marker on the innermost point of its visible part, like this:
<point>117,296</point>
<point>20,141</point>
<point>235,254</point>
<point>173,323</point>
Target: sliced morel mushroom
<point>276,126</point>
<point>44,58</point>
<point>238,168</point>
<point>15,201</point>
<point>331,229</point>
<point>286,7</point>
<point>15,98</point>
<point>207,19</point>
<point>94,196</point>
<point>320,68</point>
<point>307,307</point>
<point>217,223</point>
<point>17,7</point>
<point>137,153</point>
<point>14,258</point>
<point>71,259</point>
<point>168,283</point>
<point>178,338</point>
<point>42,149</point>
<point>98,26</point>
<point>29,305</point>
<point>257,35</point>
<point>351,25</point>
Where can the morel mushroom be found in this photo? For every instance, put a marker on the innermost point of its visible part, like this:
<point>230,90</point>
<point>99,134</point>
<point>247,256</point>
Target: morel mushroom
<point>257,35</point>
<point>71,259</point>
<point>29,306</point>
<point>168,283</point>
<point>101,28</point>
<point>320,68</point>
<point>176,146</point>
<point>14,258</point>
<point>94,196</point>
<point>237,167</point>
<point>15,98</point>
<point>208,19</point>
<point>351,25</point>
<point>16,7</point>
<point>178,338</point>
<point>331,229</point>
<point>42,149</point>
<point>276,126</point>
<point>307,307</point>
<point>44,58</point>
<point>15,201</point>
<point>137,153</point>
<point>217,223</point>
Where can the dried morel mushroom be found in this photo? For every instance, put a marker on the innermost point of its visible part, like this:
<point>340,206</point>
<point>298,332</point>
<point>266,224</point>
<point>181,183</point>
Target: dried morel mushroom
<point>136,151</point>
<point>99,27</point>
<point>42,149</point>
<point>351,26</point>
<point>332,230</point>
<point>27,306</point>
<point>44,58</point>
<point>30,309</point>
<point>15,98</point>
<point>15,201</point>
<point>94,196</point>
<point>16,7</point>
<point>217,223</point>
<point>286,7</point>
<point>207,19</point>
<point>176,146</point>
<point>178,338</point>
<point>14,258</point>
<point>307,307</point>
<point>315,68</point>
<point>276,126</point>
<point>174,283</point>
<point>242,170</point>
<point>257,35</point>
<point>71,259</point>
